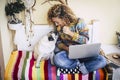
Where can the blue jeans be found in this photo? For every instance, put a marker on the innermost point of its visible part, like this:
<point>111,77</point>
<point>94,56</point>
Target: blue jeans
<point>91,64</point>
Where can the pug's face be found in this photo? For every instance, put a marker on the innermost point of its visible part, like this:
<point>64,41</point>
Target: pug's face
<point>52,36</point>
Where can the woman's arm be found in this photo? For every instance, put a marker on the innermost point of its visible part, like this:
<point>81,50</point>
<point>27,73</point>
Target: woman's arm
<point>62,46</point>
<point>81,36</point>
<point>79,33</point>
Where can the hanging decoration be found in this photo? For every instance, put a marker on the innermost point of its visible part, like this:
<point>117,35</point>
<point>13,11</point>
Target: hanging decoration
<point>29,4</point>
<point>61,1</point>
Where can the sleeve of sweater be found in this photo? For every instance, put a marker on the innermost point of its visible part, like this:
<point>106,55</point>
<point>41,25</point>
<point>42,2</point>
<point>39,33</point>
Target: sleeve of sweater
<point>81,35</point>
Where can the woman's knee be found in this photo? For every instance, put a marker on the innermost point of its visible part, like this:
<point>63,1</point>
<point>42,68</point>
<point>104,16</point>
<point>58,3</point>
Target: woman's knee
<point>96,63</point>
<point>60,55</point>
<point>102,60</point>
<point>59,58</point>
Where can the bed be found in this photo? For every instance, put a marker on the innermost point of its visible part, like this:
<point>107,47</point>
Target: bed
<point>21,64</point>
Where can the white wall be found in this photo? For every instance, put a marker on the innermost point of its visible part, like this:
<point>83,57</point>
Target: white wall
<point>6,41</point>
<point>107,12</point>
<point>2,68</point>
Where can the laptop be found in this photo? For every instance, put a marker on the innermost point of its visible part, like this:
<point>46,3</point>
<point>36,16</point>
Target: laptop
<point>84,50</point>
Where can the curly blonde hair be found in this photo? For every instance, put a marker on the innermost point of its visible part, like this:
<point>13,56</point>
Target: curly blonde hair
<point>61,11</point>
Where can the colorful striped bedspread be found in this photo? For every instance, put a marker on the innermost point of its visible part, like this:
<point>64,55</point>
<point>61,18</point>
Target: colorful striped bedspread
<point>21,66</point>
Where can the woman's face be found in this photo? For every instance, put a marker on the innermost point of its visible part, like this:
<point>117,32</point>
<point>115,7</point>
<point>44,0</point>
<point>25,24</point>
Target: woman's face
<point>59,21</point>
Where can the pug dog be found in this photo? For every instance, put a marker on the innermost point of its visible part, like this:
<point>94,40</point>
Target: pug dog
<point>44,49</point>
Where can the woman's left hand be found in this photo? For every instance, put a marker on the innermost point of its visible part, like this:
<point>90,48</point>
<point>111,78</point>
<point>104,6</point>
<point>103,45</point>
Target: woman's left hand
<point>67,31</point>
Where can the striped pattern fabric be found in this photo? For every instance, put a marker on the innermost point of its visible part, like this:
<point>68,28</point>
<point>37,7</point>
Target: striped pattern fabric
<point>21,66</point>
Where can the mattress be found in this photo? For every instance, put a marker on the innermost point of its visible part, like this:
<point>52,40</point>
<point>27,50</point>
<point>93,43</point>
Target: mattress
<point>21,66</point>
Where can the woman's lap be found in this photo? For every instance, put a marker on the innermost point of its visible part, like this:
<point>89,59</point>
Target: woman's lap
<point>95,63</point>
<point>61,60</point>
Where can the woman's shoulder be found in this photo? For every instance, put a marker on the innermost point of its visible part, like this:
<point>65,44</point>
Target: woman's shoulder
<point>80,20</point>
<point>80,23</point>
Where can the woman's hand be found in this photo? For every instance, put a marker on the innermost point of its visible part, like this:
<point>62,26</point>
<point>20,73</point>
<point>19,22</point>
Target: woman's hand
<point>67,31</point>
<point>58,28</point>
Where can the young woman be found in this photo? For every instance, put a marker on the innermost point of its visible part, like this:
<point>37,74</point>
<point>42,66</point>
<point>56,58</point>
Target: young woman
<point>71,30</point>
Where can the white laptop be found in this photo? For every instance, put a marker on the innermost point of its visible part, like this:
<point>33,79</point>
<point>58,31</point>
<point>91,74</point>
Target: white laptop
<point>84,50</point>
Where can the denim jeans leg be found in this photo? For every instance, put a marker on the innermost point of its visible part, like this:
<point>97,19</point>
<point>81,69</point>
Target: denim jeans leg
<point>61,60</point>
<point>95,63</point>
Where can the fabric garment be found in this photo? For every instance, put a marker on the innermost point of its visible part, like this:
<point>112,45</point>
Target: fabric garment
<point>21,66</point>
<point>81,37</point>
<point>116,74</point>
<point>79,29</point>
<point>86,65</point>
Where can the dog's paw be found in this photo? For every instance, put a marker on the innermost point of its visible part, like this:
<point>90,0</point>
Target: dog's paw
<point>37,66</point>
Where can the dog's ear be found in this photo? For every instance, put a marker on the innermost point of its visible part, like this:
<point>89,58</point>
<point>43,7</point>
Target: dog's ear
<point>54,32</point>
<point>51,31</point>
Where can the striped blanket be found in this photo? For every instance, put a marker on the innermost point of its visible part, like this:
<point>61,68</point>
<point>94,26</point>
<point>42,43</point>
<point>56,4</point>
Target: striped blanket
<point>21,66</point>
